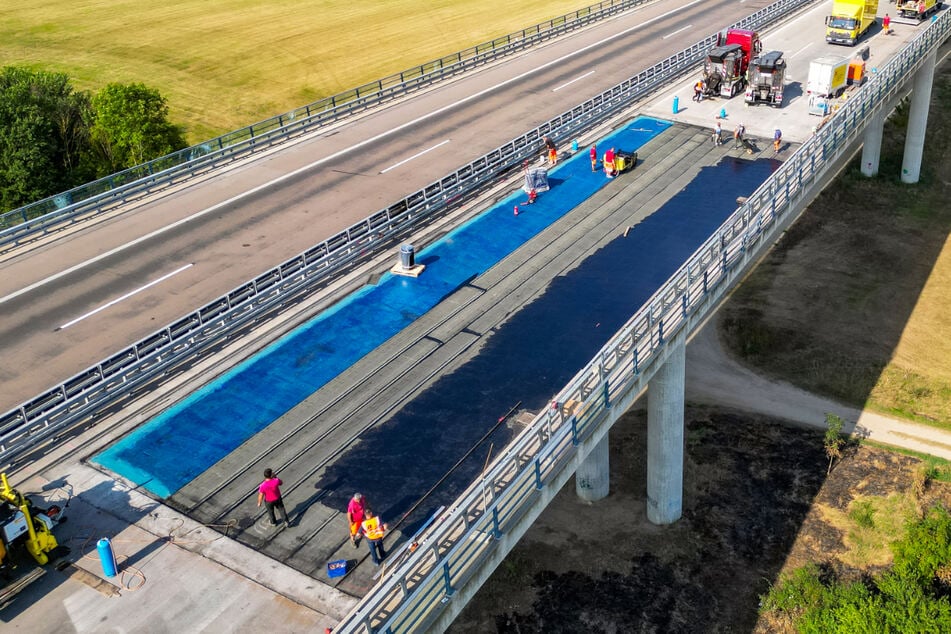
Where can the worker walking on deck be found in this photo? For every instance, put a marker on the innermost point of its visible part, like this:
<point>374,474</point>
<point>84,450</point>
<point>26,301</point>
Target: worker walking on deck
<point>270,493</point>
<point>374,530</point>
<point>552,151</point>
<point>777,139</point>
<point>356,512</point>
<point>593,153</point>
<point>738,133</point>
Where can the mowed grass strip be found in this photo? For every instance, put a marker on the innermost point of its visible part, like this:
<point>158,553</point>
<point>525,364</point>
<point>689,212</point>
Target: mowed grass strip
<point>224,64</point>
<point>853,302</point>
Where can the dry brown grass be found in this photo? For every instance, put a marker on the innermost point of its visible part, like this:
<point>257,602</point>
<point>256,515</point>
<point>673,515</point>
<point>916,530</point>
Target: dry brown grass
<point>853,301</point>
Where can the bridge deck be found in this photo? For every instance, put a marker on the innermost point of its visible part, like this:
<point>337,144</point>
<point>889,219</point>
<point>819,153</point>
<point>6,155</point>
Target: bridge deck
<point>317,445</point>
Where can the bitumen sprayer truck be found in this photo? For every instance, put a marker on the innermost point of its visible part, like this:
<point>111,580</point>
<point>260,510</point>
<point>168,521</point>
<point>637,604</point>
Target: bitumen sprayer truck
<point>727,65</point>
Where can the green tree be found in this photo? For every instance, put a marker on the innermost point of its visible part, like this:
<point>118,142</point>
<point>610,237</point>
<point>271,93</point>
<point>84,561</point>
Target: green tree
<point>129,125</point>
<point>833,441</point>
<point>42,135</point>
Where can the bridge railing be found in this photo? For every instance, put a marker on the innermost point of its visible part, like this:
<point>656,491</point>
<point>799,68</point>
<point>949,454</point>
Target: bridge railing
<point>414,593</point>
<point>113,191</point>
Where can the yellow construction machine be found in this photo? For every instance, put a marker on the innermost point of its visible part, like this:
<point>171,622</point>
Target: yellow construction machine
<point>24,530</point>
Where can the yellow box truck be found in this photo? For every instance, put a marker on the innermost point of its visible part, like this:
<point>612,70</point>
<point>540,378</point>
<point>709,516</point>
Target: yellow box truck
<point>850,20</point>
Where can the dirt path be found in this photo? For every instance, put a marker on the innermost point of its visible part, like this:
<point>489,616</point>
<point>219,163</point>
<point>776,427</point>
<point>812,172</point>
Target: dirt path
<point>715,378</point>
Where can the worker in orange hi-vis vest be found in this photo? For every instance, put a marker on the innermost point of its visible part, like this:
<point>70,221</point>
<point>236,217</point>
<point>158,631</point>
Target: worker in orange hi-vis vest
<point>374,530</point>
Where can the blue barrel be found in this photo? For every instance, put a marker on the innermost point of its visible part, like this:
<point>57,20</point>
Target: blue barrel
<point>676,107</point>
<point>407,256</point>
<point>107,557</point>
<point>574,145</point>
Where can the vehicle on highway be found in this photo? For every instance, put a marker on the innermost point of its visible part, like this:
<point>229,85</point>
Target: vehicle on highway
<point>916,11</point>
<point>726,66</point>
<point>767,79</point>
<point>850,20</point>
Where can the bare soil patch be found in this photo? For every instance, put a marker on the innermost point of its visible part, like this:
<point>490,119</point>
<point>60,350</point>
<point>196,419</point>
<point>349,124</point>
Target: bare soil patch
<point>756,502</point>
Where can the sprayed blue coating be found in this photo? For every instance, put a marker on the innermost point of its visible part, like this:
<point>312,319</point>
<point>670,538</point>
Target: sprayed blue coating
<point>176,446</point>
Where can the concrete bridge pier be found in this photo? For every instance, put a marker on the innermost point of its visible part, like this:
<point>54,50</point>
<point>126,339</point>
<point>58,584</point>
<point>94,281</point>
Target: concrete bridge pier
<point>872,144</point>
<point>665,437</point>
<point>593,477</point>
<point>918,121</point>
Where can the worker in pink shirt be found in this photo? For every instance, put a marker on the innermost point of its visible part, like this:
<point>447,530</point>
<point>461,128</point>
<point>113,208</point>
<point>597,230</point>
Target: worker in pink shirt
<point>356,510</point>
<point>270,493</point>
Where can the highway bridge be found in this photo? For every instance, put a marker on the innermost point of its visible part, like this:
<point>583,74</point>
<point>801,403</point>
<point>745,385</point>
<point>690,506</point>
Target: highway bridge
<point>215,221</point>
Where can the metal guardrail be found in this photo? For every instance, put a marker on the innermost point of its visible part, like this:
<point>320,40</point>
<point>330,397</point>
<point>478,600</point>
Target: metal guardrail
<point>108,193</point>
<point>166,351</point>
<point>411,597</point>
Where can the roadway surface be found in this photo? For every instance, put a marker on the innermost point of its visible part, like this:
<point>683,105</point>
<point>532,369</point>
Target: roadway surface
<point>75,299</point>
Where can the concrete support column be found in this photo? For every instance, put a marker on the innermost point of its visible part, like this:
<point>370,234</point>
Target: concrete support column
<point>593,477</point>
<point>918,121</point>
<point>665,438</point>
<point>872,144</point>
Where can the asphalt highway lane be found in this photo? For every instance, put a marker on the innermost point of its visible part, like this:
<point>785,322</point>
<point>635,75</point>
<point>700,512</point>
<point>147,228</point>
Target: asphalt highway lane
<point>119,279</point>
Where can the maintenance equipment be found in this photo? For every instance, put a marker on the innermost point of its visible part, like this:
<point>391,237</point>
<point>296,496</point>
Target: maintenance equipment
<point>767,79</point>
<point>24,529</point>
<point>850,20</point>
<point>915,12</point>
<point>726,66</point>
<point>828,77</point>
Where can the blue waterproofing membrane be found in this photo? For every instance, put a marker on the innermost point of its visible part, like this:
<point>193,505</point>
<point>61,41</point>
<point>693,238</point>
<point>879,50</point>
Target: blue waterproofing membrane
<point>183,441</point>
<point>531,356</point>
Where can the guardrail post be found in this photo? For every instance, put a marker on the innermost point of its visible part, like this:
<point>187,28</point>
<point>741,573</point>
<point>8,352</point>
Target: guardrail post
<point>447,579</point>
<point>660,331</point>
<point>705,280</point>
<point>496,531</point>
<point>574,434</point>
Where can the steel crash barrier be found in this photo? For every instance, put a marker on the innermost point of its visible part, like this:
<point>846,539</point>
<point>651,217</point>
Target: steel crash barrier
<point>413,594</point>
<point>166,351</point>
<point>113,191</point>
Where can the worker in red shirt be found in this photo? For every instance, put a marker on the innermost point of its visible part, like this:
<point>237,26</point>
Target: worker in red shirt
<point>594,157</point>
<point>270,493</point>
<point>356,512</point>
<point>610,169</point>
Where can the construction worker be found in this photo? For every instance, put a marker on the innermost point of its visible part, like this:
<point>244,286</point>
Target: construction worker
<point>593,152</point>
<point>777,139</point>
<point>374,530</point>
<point>738,133</point>
<point>610,170</point>
<point>698,91</point>
<point>356,511</point>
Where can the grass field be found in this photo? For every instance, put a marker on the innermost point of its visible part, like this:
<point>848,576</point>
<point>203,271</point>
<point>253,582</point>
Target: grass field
<point>224,64</point>
<point>854,300</point>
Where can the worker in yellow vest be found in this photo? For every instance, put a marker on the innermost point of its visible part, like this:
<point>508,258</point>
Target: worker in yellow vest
<point>374,530</point>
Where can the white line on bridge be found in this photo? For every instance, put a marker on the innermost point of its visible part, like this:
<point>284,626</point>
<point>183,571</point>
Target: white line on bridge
<point>301,170</point>
<point>800,50</point>
<point>126,296</point>
<point>676,32</point>
<point>417,155</point>
<point>590,72</point>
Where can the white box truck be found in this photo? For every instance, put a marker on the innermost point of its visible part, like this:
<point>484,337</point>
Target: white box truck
<point>827,79</point>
